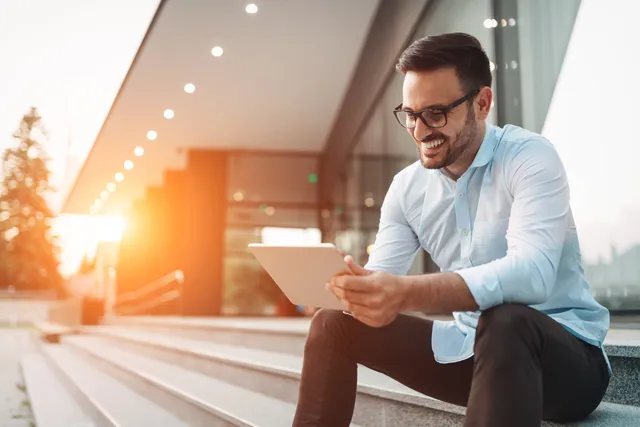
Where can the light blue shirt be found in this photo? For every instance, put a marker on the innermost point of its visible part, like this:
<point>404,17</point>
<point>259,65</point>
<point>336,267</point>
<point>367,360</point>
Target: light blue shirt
<point>505,226</point>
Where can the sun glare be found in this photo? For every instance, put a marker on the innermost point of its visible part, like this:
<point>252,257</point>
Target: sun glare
<point>80,235</point>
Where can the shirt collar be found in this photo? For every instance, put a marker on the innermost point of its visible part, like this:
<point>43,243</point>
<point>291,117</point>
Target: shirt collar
<point>487,148</point>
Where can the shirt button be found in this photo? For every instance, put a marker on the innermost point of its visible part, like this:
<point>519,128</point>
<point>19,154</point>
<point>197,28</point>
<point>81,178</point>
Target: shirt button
<point>465,231</point>
<point>459,194</point>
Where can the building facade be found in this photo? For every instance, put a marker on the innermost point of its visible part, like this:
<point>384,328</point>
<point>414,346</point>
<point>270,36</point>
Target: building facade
<point>200,218</point>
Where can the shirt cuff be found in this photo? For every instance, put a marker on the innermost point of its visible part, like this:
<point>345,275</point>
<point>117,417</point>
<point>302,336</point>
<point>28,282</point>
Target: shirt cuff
<point>484,284</point>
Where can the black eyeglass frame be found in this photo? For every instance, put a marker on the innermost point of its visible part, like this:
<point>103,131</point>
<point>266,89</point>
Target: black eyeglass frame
<point>444,110</point>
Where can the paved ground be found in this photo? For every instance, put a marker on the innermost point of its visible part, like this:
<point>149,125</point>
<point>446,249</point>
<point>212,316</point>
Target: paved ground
<point>14,407</point>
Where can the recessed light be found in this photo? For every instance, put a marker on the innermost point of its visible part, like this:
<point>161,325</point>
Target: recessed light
<point>251,8</point>
<point>217,51</point>
<point>104,195</point>
<point>152,135</point>
<point>111,187</point>
<point>119,177</point>
<point>369,202</point>
<point>98,203</point>
<point>168,113</point>
<point>93,209</point>
<point>189,88</point>
<point>128,165</point>
<point>138,151</point>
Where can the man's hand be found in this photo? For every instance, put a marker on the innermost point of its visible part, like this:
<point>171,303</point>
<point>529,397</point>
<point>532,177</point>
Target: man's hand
<point>374,298</point>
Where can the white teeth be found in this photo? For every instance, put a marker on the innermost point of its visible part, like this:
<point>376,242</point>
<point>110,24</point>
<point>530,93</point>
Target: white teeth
<point>434,144</point>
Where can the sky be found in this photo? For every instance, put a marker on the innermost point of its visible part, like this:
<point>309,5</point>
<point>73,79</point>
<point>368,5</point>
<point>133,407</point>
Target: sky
<point>68,58</point>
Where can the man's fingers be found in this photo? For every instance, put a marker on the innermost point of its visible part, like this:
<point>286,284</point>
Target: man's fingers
<point>370,300</point>
<point>354,283</point>
<point>355,268</point>
<point>368,317</point>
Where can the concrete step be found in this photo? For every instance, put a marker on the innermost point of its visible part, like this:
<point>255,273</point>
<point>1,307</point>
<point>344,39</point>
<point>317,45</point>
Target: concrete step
<point>42,383</point>
<point>108,402</point>
<point>273,334</point>
<point>200,399</point>
<point>288,336</point>
<point>381,401</point>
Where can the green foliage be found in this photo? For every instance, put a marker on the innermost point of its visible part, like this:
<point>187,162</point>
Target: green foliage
<point>28,252</point>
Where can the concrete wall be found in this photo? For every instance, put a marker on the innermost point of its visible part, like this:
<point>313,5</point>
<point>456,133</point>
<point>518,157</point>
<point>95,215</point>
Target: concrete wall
<point>29,311</point>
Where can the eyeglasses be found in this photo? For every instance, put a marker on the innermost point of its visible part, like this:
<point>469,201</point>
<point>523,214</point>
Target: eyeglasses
<point>431,117</point>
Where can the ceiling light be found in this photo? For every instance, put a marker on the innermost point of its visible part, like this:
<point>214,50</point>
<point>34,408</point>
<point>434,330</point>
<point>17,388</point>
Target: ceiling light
<point>152,135</point>
<point>138,151</point>
<point>189,88</point>
<point>251,8</point>
<point>217,51</point>
<point>168,113</point>
<point>119,177</point>
<point>104,195</point>
<point>369,202</point>
<point>128,165</point>
<point>111,187</point>
<point>98,203</point>
<point>238,196</point>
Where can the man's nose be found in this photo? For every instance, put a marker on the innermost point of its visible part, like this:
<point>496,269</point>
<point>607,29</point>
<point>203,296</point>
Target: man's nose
<point>421,131</point>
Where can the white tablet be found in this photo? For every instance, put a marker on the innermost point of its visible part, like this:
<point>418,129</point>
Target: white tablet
<point>302,272</point>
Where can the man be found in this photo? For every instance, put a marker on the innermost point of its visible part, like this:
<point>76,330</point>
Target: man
<point>491,206</point>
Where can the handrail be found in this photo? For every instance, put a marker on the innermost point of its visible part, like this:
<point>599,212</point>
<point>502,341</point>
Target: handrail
<point>176,277</point>
<point>143,306</point>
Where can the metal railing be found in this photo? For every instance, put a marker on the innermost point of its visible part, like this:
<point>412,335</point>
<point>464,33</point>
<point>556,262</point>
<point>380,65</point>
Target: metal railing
<point>149,296</point>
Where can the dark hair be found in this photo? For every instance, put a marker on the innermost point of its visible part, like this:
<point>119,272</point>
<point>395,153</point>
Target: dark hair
<point>460,51</point>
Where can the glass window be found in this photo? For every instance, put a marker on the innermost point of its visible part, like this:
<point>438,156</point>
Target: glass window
<point>572,69</point>
<point>273,177</point>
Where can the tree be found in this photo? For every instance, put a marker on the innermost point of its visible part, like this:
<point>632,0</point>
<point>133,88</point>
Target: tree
<point>26,244</point>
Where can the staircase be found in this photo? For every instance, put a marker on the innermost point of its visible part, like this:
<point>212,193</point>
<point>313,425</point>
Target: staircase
<point>172,371</point>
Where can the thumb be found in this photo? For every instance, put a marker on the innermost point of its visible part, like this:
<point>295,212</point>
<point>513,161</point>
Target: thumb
<point>355,268</point>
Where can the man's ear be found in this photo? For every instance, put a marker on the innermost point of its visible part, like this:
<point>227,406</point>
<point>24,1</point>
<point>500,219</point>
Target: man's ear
<point>483,102</point>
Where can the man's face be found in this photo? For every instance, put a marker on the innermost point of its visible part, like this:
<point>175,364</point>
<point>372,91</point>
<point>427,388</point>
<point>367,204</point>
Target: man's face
<point>442,147</point>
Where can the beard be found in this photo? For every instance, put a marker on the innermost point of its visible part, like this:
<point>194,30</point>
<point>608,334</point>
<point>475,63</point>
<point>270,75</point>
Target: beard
<point>451,150</point>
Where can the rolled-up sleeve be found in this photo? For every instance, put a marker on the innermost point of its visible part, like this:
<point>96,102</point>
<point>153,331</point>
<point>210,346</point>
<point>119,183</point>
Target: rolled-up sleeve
<point>540,212</point>
<point>396,243</point>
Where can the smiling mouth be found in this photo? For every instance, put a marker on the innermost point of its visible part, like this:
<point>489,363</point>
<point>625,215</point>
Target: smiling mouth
<point>433,144</point>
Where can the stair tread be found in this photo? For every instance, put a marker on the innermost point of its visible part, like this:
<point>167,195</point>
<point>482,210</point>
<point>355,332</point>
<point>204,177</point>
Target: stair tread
<point>42,383</point>
<point>368,378</point>
<point>239,403</point>
<point>619,336</point>
<point>609,414</point>
<point>121,404</point>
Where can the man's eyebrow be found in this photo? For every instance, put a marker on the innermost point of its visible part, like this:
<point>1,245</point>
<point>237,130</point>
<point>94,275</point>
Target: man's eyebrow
<point>428,107</point>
